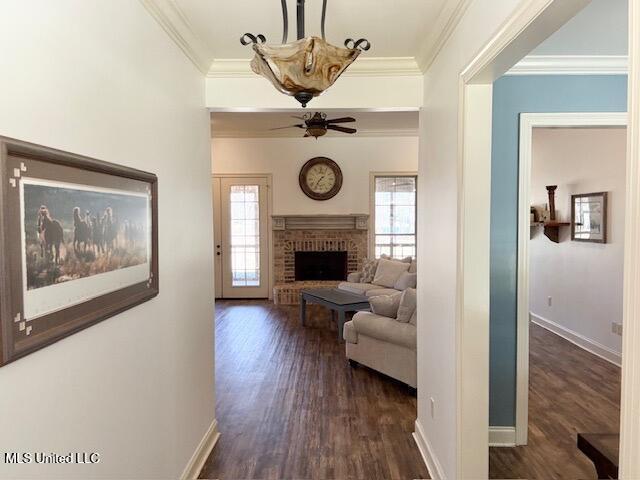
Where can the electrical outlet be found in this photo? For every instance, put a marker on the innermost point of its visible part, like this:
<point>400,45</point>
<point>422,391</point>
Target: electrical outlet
<point>549,301</point>
<point>433,407</point>
<point>616,328</point>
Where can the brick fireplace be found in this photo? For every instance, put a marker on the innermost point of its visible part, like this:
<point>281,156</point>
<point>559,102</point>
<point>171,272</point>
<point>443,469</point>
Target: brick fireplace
<point>314,233</point>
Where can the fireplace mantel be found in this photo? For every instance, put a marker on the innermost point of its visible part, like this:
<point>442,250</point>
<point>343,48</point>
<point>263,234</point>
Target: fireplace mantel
<point>353,221</point>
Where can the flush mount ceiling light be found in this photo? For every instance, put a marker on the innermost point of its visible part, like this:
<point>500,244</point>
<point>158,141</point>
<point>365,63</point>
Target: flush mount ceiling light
<point>307,67</point>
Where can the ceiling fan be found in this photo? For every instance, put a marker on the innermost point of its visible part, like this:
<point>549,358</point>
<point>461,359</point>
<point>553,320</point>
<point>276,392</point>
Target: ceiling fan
<point>317,125</point>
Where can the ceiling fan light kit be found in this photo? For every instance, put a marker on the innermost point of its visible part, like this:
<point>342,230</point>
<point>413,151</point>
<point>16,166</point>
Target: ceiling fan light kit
<point>306,68</point>
<point>317,125</point>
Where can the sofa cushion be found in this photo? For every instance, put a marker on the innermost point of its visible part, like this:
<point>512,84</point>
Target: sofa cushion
<point>349,333</point>
<point>369,267</point>
<point>414,266</point>
<point>388,272</point>
<point>404,260</point>
<point>385,329</point>
<point>374,292</point>
<point>359,288</point>
<point>385,305</point>
<point>406,280</point>
<point>354,277</point>
<point>407,305</point>
<point>414,318</point>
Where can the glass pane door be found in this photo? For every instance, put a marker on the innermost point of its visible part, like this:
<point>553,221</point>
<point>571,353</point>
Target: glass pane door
<point>244,238</point>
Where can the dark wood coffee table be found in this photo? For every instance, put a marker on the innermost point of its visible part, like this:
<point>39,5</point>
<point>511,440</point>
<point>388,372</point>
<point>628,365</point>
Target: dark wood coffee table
<point>602,450</point>
<point>336,300</point>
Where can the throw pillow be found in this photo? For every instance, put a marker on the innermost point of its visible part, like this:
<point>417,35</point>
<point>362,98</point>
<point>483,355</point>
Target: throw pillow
<point>407,305</point>
<point>414,266</point>
<point>406,280</point>
<point>388,272</point>
<point>368,270</point>
<point>404,260</point>
<point>414,318</point>
<point>385,305</point>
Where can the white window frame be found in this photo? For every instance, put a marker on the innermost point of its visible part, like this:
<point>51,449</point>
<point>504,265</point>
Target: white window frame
<point>372,205</point>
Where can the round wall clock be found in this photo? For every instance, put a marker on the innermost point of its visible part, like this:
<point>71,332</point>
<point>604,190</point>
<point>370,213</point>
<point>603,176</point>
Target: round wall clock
<point>320,178</point>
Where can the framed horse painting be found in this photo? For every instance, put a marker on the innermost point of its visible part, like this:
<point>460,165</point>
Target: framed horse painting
<point>78,244</point>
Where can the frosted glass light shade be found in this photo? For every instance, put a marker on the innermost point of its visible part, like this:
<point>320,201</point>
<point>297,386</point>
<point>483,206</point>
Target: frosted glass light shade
<point>303,69</point>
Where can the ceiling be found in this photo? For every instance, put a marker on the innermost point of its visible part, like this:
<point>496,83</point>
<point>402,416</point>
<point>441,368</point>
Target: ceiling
<point>601,28</point>
<point>395,28</point>
<point>256,125</point>
<point>406,35</point>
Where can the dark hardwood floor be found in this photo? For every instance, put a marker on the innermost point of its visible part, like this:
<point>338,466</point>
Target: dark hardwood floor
<point>290,407</point>
<point>570,391</point>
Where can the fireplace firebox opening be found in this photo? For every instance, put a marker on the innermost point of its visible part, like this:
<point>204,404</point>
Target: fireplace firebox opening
<point>320,266</point>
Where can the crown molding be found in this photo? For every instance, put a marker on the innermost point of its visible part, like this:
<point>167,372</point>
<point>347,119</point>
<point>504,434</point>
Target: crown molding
<point>449,18</point>
<point>413,132</point>
<point>365,67</point>
<point>175,24</point>
<point>571,65</point>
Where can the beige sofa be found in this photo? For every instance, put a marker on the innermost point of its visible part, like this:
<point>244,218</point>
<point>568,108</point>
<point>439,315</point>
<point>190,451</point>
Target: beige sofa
<point>354,285</point>
<point>384,344</point>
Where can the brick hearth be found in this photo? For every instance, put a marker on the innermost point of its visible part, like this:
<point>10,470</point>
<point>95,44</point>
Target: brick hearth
<point>286,290</point>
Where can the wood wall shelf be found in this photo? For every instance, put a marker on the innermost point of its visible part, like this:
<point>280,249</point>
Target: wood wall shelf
<point>552,230</point>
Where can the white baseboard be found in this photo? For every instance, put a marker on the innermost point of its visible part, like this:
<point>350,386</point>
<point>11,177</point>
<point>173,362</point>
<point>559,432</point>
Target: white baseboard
<point>579,340</point>
<point>433,465</point>
<point>193,468</point>
<point>502,436</point>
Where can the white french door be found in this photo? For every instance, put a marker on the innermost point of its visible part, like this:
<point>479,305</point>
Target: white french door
<point>241,244</point>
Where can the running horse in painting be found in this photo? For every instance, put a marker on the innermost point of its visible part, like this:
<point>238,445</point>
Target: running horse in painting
<point>81,231</point>
<point>50,233</point>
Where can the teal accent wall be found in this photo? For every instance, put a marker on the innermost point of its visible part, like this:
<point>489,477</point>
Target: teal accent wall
<point>513,95</point>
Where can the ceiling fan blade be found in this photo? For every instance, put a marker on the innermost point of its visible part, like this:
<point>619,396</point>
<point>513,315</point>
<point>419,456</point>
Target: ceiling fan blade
<point>341,129</point>
<point>342,120</point>
<point>290,126</point>
<point>298,118</point>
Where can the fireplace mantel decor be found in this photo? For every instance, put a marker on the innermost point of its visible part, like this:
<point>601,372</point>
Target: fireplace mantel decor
<point>355,221</point>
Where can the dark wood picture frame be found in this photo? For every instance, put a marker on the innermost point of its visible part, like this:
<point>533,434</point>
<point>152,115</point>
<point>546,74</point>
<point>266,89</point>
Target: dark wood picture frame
<point>19,159</point>
<point>302,178</point>
<point>605,207</point>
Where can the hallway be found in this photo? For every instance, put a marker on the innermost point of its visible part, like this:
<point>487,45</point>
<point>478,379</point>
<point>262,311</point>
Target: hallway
<point>290,406</point>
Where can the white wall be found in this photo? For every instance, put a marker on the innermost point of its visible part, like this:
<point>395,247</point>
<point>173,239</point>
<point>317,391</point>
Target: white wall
<point>283,157</point>
<point>583,279</point>
<point>101,78</point>
<point>384,92</point>
<point>438,191</point>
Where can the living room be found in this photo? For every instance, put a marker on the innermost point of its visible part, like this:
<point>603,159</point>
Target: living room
<point>309,231</point>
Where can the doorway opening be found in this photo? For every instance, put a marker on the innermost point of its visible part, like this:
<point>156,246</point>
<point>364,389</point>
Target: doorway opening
<point>572,171</point>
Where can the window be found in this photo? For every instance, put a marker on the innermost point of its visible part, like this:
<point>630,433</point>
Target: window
<point>245,235</point>
<point>395,216</point>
